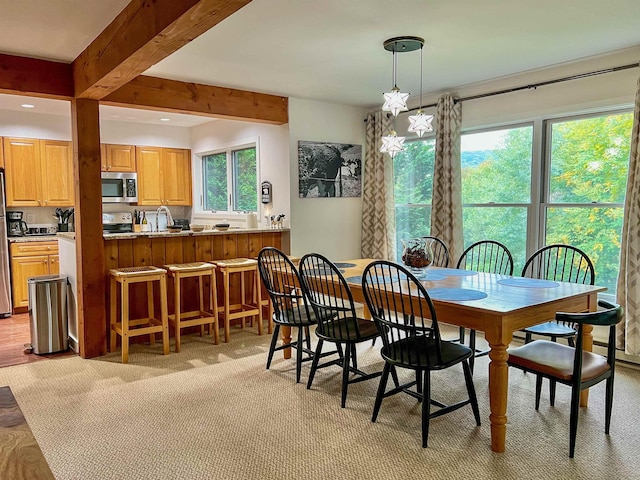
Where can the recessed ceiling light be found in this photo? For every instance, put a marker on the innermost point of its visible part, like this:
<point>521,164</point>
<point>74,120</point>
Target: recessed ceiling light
<point>27,105</point>
<point>165,119</point>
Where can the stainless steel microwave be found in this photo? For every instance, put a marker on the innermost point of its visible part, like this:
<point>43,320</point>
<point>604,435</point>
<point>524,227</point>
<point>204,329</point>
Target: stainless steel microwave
<point>119,187</point>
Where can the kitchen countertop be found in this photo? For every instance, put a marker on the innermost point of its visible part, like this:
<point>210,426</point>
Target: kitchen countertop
<point>189,233</point>
<point>125,236</point>
<point>34,238</point>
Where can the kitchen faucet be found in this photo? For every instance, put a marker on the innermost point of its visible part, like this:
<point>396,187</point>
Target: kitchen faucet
<point>169,217</point>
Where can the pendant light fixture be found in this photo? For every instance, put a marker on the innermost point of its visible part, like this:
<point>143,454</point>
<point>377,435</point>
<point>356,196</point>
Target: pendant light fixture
<point>420,123</point>
<point>396,101</point>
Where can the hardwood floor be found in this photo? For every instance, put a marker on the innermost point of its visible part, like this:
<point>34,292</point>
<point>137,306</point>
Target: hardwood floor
<point>14,334</point>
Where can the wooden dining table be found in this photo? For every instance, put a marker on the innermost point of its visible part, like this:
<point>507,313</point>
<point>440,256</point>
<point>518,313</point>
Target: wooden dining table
<point>497,305</point>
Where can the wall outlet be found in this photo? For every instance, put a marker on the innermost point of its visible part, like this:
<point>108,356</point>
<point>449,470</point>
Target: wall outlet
<point>31,218</point>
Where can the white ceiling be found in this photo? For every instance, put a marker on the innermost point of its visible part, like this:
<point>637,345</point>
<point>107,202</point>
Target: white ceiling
<point>331,50</point>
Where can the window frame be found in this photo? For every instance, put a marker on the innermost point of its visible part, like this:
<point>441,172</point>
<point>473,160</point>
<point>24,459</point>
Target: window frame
<point>545,179</point>
<point>199,180</point>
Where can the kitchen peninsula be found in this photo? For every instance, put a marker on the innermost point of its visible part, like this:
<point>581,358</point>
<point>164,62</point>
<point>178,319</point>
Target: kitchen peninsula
<point>162,248</point>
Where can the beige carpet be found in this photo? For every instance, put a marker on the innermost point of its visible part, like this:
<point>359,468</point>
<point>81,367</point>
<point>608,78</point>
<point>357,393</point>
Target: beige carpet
<point>214,412</point>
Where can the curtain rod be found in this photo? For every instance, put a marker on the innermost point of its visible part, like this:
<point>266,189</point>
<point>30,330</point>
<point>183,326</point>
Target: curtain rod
<point>536,85</point>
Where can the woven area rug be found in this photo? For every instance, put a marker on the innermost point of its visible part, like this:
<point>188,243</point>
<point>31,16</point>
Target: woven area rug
<point>214,412</point>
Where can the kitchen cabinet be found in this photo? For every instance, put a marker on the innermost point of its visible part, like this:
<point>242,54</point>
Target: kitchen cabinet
<point>118,158</point>
<point>31,259</point>
<point>164,176</point>
<point>38,173</point>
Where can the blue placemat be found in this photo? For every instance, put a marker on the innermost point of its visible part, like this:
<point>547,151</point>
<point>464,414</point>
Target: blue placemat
<point>528,282</point>
<point>376,279</point>
<point>431,276</point>
<point>320,272</point>
<point>451,272</point>
<point>455,294</point>
<point>344,265</point>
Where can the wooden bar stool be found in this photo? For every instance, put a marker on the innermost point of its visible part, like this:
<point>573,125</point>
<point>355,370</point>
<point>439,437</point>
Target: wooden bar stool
<point>149,325</point>
<point>202,317</point>
<point>246,307</point>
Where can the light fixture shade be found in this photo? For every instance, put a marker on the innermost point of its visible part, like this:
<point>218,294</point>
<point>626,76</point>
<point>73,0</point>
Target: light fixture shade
<point>392,144</point>
<point>395,102</point>
<point>420,123</point>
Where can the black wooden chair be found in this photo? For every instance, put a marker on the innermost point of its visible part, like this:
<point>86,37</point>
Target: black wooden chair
<point>411,339</point>
<point>571,365</point>
<point>486,256</point>
<point>290,306</point>
<point>440,252</point>
<point>333,304</point>
<point>563,263</point>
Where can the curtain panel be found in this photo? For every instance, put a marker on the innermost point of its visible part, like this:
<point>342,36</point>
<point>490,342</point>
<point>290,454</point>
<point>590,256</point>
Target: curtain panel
<point>628,292</point>
<point>378,208</point>
<point>446,204</point>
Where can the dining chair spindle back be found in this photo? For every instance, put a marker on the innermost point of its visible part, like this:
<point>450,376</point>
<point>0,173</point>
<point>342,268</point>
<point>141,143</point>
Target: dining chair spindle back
<point>407,320</point>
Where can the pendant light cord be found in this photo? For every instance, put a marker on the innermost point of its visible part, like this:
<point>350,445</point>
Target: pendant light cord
<point>421,46</point>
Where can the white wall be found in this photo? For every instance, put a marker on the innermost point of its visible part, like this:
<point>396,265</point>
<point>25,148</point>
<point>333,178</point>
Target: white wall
<point>273,151</point>
<point>35,125</point>
<point>58,127</point>
<point>128,133</point>
<point>330,226</point>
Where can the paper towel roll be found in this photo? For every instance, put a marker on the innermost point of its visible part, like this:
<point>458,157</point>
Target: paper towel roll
<point>252,220</point>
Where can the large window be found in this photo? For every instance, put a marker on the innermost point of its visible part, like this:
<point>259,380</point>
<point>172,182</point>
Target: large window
<point>529,185</point>
<point>230,180</point>
<point>588,159</point>
<point>496,187</point>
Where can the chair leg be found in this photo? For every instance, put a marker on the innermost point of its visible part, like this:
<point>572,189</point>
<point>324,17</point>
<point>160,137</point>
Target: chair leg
<point>272,347</point>
<point>468,379</point>
<point>538,390</point>
<point>571,342</point>
<point>419,383</point>
<point>527,338</point>
<point>345,374</point>
<point>573,422</point>
<point>552,392</point>
<point>426,406</point>
<point>608,404</point>
<point>394,375</point>
<point>354,357</point>
<point>314,363</point>
<point>382,386</point>
<point>299,347</point>
<point>308,335</point>
<point>462,335</point>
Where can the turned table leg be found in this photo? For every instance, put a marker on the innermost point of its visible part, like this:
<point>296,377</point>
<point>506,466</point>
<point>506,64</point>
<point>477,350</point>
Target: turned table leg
<point>286,340</point>
<point>498,389</point>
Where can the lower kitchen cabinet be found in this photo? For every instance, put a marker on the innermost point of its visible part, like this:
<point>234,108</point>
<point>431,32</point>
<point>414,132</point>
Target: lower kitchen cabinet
<point>31,259</point>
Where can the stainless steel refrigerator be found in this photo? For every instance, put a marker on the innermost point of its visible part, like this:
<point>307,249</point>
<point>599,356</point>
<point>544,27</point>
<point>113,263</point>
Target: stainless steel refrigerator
<point>5,282</point>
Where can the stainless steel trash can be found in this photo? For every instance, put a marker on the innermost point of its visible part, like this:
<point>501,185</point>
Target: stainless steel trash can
<point>48,318</point>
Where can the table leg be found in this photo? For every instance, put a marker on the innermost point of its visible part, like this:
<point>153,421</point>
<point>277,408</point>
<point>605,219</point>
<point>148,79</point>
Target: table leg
<point>498,388</point>
<point>587,345</point>
<point>286,340</point>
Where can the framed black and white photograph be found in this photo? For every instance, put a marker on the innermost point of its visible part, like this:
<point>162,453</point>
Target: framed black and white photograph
<point>329,169</point>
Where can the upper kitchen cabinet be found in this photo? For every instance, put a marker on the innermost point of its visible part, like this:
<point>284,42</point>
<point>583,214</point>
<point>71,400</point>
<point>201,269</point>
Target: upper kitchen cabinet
<point>118,158</point>
<point>164,176</point>
<point>39,173</point>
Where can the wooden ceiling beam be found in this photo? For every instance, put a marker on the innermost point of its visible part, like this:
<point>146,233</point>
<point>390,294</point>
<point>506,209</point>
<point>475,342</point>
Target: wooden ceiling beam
<point>39,78</point>
<point>153,93</point>
<point>145,32</point>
